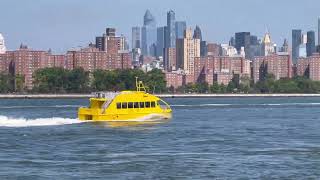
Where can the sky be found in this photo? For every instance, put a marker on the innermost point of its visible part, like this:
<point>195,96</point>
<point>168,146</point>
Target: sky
<point>65,24</point>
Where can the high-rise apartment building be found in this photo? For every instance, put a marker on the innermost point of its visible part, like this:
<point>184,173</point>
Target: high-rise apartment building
<point>279,65</point>
<point>181,26</point>
<point>111,43</point>
<point>296,41</point>
<point>309,67</point>
<point>319,31</point>
<point>2,45</point>
<point>148,33</point>
<point>171,29</point>
<point>111,32</point>
<point>187,49</point>
<point>311,43</point>
<point>170,59</point>
<point>213,49</point>
<point>136,38</point>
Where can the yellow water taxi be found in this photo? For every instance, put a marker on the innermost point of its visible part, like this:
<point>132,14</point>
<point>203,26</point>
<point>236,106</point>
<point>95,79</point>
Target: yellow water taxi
<point>125,106</point>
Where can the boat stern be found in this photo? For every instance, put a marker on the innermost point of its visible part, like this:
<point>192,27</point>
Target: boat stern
<point>85,114</point>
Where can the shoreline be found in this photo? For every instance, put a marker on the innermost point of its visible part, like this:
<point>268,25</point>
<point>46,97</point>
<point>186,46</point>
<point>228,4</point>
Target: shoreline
<point>86,96</point>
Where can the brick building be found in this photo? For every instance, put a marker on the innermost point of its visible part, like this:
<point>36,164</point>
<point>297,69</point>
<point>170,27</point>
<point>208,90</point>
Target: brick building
<point>277,64</point>
<point>4,62</point>
<point>310,67</point>
<point>91,59</point>
<point>223,78</point>
<point>25,61</point>
<point>174,79</point>
<point>213,49</point>
<point>302,67</point>
<point>219,69</point>
<point>170,61</point>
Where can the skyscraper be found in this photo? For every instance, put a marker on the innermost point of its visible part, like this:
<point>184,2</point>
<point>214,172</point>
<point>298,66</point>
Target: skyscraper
<point>285,46</point>
<point>2,45</point>
<point>267,45</point>
<point>311,43</point>
<point>255,48</point>
<point>296,41</point>
<point>171,29</point>
<point>203,48</point>
<point>186,50</point>
<point>149,33</point>
<point>111,32</point>
<point>197,33</point>
<point>242,39</point>
<point>161,35</point>
<point>181,26</point>
<point>100,41</point>
<point>109,42</point>
<point>136,37</point>
<point>319,31</point>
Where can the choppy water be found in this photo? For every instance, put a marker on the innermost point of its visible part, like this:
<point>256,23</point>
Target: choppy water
<point>222,138</point>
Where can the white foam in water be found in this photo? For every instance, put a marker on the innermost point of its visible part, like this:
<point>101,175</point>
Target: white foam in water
<point>22,122</point>
<point>57,121</point>
<point>55,106</point>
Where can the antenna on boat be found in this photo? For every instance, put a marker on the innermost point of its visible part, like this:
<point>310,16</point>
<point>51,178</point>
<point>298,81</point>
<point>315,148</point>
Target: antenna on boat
<point>140,86</point>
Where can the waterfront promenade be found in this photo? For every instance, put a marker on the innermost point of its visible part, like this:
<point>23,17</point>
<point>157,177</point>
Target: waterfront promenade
<point>76,96</point>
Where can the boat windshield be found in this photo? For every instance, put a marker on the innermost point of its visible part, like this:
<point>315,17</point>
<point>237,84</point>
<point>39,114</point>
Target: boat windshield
<point>163,105</point>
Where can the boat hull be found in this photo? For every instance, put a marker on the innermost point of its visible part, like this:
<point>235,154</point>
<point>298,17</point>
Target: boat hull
<point>86,114</point>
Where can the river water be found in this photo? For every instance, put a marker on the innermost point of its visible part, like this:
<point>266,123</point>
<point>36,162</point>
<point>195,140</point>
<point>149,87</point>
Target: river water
<point>213,138</point>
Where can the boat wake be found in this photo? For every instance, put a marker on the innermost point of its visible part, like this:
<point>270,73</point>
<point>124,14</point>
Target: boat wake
<point>55,106</point>
<point>23,122</point>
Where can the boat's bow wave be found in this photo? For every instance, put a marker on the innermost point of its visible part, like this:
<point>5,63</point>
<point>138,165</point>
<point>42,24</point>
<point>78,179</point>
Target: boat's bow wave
<point>23,122</point>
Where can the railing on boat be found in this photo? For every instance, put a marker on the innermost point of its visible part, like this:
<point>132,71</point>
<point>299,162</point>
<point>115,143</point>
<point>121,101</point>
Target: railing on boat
<point>106,95</point>
<point>109,96</point>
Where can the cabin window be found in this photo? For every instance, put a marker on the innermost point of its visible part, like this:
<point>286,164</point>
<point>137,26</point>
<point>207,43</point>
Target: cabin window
<point>118,105</point>
<point>153,104</point>
<point>136,105</point>
<point>124,105</point>
<point>141,104</point>
<point>130,105</point>
<point>147,104</point>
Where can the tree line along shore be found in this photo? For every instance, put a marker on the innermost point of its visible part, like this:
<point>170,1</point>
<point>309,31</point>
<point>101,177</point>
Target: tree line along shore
<point>78,81</point>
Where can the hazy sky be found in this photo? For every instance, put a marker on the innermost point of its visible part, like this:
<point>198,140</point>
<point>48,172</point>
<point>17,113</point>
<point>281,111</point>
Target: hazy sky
<point>63,24</point>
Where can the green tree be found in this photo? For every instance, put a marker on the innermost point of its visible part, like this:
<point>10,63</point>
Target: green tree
<point>4,83</point>
<point>156,81</point>
<point>267,85</point>
<point>50,80</point>
<point>77,81</point>
<point>245,84</point>
<point>215,88</point>
<point>19,83</point>
<point>202,87</point>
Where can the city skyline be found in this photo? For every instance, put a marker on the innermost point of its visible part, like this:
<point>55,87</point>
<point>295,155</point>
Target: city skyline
<point>69,28</point>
